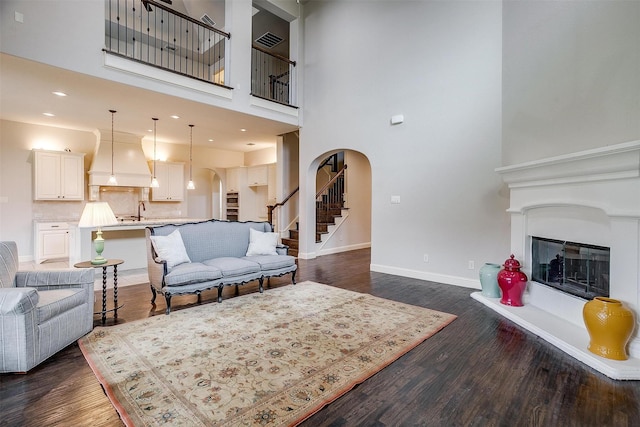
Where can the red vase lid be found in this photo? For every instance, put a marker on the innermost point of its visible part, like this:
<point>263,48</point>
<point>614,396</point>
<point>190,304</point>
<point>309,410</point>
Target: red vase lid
<point>512,263</point>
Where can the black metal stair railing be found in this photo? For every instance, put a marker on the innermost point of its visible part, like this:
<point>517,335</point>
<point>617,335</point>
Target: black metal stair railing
<point>272,77</point>
<point>330,198</point>
<point>151,33</point>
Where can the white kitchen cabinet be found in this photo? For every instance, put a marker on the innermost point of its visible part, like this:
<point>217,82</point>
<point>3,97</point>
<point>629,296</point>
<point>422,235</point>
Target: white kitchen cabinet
<point>51,241</point>
<point>258,176</point>
<point>170,178</point>
<point>58,175</point>
<point>236,178</point>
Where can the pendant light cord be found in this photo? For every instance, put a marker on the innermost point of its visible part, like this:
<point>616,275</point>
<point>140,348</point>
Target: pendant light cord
<point>190,151</point>
<point>155,120</point>
<point>112,177</point>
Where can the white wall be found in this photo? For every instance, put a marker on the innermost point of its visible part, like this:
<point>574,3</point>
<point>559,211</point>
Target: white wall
<point>571,77</point>
<point>260,157</point>
<point>439,64</point>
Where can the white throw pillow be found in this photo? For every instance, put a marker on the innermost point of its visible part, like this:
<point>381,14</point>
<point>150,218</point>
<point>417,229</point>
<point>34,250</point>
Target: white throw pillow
<point>262,243</point>
<point>171,249</point>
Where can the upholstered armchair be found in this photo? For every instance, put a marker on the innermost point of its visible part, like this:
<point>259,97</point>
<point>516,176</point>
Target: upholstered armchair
<point>41,312</point>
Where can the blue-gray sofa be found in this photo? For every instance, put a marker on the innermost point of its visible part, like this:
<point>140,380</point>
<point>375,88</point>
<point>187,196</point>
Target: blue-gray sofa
<point>213,254</point>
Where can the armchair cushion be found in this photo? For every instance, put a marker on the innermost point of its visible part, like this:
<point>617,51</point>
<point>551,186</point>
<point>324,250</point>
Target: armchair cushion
<point>17,300</point>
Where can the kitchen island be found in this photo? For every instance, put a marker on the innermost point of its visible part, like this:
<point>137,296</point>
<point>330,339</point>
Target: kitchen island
<point>125,241</point>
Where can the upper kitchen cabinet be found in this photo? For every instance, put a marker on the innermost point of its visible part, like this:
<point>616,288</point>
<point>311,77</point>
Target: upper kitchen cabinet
<point>58,175</point>
<point>236,178</point>
<point>170,178</point>
<point>257,176</point>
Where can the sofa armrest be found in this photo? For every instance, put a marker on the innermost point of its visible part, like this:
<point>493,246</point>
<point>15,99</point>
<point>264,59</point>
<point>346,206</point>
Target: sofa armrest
<point>282,249</point>
<point>55,279</point>
<point>156,267</point>
<point>16,301</point>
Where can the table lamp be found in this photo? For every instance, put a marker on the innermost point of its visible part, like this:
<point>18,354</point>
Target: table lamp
<point>97,214</point>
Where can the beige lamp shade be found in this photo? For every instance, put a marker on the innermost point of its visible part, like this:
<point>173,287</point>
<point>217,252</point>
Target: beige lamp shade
<point>97,214</point>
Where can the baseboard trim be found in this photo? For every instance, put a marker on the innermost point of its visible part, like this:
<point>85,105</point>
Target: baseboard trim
<point>344,249</point>
<point>425,275</point>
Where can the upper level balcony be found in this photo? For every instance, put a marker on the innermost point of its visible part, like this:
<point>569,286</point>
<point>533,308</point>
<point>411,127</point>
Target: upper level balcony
<point>154,34</point>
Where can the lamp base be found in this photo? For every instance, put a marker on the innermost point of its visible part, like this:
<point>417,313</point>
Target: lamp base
<point>98,244</point>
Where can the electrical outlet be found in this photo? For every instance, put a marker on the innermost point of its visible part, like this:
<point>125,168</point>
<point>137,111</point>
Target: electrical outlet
<point>472,265</point>
<point>426,257</point>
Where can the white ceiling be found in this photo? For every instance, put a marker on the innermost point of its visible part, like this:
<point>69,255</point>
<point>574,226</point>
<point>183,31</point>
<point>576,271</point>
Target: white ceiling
<point>26,93</point>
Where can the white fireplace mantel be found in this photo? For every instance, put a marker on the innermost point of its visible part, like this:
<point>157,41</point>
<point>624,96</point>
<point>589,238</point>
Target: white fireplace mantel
<point>591,197</point>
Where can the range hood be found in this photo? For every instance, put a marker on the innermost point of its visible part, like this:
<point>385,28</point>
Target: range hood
<point>129,162</point>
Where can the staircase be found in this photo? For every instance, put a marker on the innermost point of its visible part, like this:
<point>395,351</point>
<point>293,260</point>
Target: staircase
<point>329,207</point>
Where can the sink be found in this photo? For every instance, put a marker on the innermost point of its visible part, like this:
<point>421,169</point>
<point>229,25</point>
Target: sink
<point>129,220</point>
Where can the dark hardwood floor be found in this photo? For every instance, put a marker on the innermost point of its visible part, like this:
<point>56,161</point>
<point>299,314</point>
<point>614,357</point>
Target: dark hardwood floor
<point>481,370</point>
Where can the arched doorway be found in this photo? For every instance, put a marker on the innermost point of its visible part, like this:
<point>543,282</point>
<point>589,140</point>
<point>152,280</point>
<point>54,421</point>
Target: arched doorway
<point>353,228</point>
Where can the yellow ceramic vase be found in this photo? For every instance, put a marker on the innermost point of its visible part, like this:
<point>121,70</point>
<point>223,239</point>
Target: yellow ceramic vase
<point>610,324</point>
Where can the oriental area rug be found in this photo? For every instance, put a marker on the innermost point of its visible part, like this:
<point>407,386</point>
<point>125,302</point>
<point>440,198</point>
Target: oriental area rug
<point>268,359</point>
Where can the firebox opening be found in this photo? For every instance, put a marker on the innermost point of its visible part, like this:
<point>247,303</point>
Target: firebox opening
<point>575,268</point>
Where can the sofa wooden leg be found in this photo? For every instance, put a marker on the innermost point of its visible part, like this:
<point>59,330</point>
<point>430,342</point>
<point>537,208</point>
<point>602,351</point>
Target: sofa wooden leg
<point>168,299</point>
<point>153,298</point>
<point>220,293</point>
<point>293,277</point>
<point>199,297</point>
<point>261,281</point>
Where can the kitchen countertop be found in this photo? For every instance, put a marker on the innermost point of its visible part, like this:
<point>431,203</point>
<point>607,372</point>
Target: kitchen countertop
<point>143,222</point>
<point>154,221</point>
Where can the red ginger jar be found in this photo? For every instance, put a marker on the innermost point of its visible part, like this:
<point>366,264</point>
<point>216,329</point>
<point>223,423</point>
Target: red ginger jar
<point>512,283</point>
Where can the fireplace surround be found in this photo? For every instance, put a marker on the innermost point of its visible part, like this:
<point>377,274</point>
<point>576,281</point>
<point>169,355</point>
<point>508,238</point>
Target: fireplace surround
<point>592,197</point>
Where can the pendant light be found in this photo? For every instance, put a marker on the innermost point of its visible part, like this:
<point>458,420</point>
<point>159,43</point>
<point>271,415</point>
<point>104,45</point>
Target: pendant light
<point>190,185</point>
<point>112,178</point>
<point>154,180</point>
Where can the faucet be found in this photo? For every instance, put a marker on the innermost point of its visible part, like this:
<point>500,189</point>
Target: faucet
<point>141,203</point>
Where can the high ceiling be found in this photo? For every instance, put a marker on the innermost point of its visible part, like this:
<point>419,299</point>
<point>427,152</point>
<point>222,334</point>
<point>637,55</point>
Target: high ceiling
<point>26,92</point>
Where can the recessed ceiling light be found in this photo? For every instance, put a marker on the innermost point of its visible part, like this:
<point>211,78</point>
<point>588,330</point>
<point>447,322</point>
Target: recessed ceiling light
<point>243,130</point>
<point>49,114</point>
<point>58,93</point>
<point>175,117</point>
<point>210,140</point>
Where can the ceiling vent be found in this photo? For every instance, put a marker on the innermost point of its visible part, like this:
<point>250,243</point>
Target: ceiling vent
<point>207,20</point>
<point>269,40</point>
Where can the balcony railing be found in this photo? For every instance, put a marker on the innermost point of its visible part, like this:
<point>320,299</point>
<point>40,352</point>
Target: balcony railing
<point>272,77</point>
<point>149,32</point>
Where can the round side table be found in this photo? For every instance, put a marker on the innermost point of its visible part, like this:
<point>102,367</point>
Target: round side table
<point>110,263</point>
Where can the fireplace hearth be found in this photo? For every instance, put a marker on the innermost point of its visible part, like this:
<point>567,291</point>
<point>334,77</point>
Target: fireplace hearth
<point>590,196</point>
